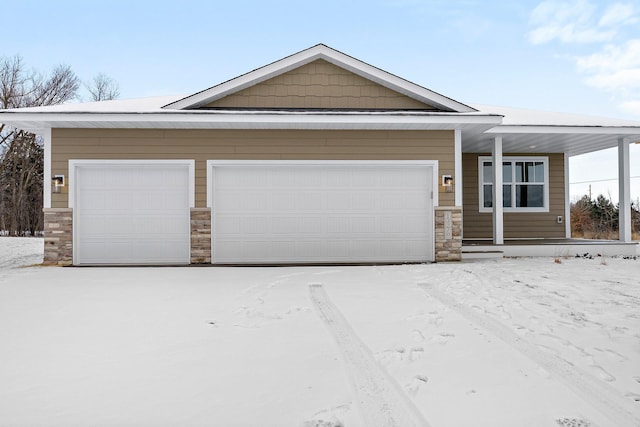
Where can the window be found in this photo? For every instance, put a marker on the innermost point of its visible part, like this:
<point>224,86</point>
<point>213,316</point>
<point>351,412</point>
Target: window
<point>525,186</point>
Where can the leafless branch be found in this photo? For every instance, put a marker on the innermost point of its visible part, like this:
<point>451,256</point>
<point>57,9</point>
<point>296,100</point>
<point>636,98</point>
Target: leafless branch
<point>103,88</point>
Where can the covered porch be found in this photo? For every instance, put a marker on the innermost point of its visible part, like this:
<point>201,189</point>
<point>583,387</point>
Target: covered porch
<point>501,223</point>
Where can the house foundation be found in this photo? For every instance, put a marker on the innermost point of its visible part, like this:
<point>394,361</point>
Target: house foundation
<point>448,238</point>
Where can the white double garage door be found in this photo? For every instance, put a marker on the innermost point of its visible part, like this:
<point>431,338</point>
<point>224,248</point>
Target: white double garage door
<point>138,212</point>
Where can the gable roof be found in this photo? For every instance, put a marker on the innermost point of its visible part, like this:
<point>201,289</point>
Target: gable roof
<point>321,51</point>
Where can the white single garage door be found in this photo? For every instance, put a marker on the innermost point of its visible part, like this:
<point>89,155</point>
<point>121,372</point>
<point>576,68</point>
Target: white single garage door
<point>321,212</point>
<point>131,212</point>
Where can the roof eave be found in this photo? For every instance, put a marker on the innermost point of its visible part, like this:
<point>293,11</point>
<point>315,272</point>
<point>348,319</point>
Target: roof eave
<point>231,120</point>
<point>563,129</point>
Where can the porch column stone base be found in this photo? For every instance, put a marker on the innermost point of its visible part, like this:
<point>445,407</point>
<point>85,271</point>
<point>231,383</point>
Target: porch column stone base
<point>200,236</point>
<point>448,220</point>
<point>58,236</point>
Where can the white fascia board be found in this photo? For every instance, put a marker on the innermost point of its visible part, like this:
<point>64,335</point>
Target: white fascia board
<point>247,121</point>
<point>529,129</point>
<point>335,57</point>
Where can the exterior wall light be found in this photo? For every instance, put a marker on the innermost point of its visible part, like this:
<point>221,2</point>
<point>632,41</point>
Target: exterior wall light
<point>447,183</point>
<point>57,182</point>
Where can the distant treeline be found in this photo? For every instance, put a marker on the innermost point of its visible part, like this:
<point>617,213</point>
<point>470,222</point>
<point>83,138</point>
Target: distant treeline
<point>599,218</point>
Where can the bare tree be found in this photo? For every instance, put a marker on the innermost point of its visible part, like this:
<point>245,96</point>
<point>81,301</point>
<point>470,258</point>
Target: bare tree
<point>103,88</point>
<point>20,87</point>
<point>21,181</point>
<point>21,152</point>
<point>14,81</point>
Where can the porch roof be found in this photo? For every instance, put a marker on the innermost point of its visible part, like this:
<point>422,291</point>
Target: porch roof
<point>533,131</point>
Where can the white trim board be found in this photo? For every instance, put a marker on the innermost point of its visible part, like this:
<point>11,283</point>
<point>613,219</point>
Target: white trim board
<point>46,136</point>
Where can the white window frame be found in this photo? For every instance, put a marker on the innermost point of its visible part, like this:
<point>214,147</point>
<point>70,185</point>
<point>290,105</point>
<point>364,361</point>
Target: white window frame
<point>513,160</point>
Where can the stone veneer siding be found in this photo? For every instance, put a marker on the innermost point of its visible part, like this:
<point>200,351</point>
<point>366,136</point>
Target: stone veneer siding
<point>58,236</point>
<point>448,233</point>
<point>200,236</point>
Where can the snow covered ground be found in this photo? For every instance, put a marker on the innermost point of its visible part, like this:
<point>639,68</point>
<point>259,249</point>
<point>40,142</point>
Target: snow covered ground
<point>513,342</point>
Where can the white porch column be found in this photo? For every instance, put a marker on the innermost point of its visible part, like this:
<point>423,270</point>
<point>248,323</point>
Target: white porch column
<point>46,135</point>
<point>457,182</point>
<point>498,210</point>
<point>567,198</point>
<point>624,191</point>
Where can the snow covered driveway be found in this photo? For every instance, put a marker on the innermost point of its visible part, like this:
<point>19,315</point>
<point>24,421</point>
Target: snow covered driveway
<point>244,346</point>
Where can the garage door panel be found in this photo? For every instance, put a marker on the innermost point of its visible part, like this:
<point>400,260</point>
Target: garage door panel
<point>338,224</point>
<point>415,224</point>
<point>242,200</point>
<point>132,214</point>
<point>156,200</point>
<point>341,249</point>
<point>90,223</point>
<point>391,224</point>
<point>167,225</point>
<point>121,251</point>
<point>415,200</point>
<point>296,224</point>
<point>227,224</point>
<point>321,213</point>
<point>93,200</point>
<point>338,178</point>
<point>254,225</point>
<point>121,179</point>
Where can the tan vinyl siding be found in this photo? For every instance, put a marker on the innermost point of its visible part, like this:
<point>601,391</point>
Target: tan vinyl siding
<point>516,224</point>
<point>203,145</point>
<point>319,84</point>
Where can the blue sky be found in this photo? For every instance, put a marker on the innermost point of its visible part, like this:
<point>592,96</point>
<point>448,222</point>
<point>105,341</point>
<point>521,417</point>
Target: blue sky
<point>579,56</point>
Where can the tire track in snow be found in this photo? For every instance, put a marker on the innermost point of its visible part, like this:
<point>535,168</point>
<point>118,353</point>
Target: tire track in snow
<point>598,393</point>
<point>381,401</point>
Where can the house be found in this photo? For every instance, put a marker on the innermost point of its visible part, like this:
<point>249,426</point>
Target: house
<point>315,158</point>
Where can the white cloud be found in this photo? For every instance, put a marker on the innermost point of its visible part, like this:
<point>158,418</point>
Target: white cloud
<point>618,14</point>
<point>624,80</point>
<point>577,21</point>
<point>569,33</point>
<point>614,66</point>
<point>612,57</point>
<point>615,69</point>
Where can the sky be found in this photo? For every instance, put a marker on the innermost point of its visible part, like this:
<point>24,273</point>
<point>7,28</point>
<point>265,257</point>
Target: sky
<point>575,56</point>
